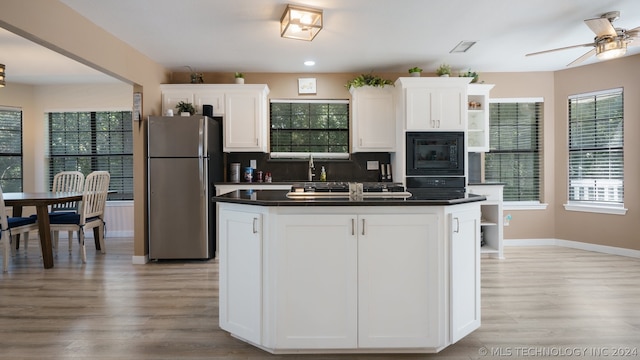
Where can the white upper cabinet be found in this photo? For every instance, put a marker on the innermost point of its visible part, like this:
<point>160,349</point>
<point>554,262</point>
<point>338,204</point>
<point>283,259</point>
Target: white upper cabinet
<point>374,120</point>
<point>243,108</point>
<point>478,117</point>
<point>433,104</point>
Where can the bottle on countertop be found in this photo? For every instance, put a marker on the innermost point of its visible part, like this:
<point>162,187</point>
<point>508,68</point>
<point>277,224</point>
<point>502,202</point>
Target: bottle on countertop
<point>323,174</point>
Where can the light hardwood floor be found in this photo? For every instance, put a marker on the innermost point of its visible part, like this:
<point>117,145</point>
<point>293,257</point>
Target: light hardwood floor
<point>538,301</point>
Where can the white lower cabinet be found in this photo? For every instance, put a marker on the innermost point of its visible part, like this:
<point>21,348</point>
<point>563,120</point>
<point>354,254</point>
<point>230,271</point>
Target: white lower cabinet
<point>353,279</point>
<point>358,281</point>
<point>240,254</point>
<point>464,267</point>
<point>315,289</point>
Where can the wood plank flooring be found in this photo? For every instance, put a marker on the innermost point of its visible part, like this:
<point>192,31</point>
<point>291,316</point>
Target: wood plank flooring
<point>538,301</point>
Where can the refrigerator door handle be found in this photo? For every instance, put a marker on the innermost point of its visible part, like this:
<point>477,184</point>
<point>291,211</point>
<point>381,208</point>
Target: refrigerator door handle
<point>202,144</point>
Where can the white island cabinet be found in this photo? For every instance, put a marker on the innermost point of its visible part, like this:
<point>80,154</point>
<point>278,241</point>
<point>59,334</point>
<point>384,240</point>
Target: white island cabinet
<point>349,279</point>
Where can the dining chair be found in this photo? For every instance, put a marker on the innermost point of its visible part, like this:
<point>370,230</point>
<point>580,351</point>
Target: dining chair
<point>90,214</point>
<point>12,226</point>
<point>66,181</point>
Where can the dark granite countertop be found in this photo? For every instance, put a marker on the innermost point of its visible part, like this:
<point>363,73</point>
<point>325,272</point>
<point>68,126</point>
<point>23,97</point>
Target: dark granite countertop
<point>279,198</point>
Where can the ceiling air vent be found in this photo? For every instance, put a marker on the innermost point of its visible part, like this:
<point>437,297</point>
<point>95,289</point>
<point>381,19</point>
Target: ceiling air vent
<point>463,46</point>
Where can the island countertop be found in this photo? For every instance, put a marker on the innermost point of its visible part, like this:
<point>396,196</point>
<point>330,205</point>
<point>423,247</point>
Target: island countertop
<point>279,198</point>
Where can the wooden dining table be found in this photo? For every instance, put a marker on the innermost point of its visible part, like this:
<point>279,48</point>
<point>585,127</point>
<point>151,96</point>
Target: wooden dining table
<point>42,201</point>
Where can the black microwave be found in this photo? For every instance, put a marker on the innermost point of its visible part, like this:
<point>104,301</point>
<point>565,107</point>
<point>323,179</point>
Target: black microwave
<point>435,153</point>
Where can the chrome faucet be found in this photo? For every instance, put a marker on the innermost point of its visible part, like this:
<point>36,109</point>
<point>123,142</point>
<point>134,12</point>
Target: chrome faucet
<point>311,168</point>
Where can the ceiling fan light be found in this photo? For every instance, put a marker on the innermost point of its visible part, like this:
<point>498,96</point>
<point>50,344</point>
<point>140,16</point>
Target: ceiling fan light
<point>607,50</point>
<point>300,23</point>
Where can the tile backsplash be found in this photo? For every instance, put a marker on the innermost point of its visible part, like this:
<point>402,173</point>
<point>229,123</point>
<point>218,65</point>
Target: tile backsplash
<point>352,169</point>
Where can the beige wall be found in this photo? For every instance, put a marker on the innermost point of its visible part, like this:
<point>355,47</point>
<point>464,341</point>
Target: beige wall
<point>612,230</point>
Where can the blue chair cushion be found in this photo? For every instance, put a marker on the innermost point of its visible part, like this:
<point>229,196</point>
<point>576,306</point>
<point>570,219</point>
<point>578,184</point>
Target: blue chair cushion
<point>67,218</point>
<point>20,221</point>
<point>64,218</point>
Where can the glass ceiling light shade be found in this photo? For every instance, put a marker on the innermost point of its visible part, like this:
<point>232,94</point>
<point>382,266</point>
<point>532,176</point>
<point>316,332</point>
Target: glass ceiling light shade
<point>610,49</point>
<point>1,75</point>
<point>300,23</point>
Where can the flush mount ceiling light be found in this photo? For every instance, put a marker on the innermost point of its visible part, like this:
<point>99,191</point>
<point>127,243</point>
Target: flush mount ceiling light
<point>611,48</point>
<point>300,23</point>
<point>1,75</point>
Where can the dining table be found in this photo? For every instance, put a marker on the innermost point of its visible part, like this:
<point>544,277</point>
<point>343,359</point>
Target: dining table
<point>42,201</point>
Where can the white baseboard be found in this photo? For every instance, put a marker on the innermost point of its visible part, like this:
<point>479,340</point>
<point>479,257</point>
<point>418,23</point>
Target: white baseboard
<point>575,245</point>
<point>139,260</point>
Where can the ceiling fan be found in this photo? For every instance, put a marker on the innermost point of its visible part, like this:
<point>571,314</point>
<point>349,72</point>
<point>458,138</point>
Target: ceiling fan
<point>610,42</point>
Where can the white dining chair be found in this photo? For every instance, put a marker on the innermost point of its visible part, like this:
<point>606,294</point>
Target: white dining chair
<point>10,227</point>
<point>90,214</point>
<point>66,181</point>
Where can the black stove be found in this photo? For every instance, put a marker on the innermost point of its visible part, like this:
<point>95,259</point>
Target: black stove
<point>341,186</point>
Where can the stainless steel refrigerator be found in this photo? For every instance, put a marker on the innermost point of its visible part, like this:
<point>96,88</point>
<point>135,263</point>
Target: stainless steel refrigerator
<point>184,162</point>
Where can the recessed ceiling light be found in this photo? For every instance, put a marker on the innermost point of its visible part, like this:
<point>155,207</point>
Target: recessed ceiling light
<point>463,46</point>
<point>309,63</point>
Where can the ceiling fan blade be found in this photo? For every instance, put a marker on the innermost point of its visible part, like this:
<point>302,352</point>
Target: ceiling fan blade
<point>562,48</point>
<point>634,33</point>
<point>584,57</point>
<point>601,27</point>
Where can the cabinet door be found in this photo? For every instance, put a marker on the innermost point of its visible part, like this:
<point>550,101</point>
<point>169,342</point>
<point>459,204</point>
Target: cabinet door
<point>171,98</point>
<point>244,122</point>
<point>214,98</point>
<point>400,267</point>
<point>374,123</point>
<point>449,109</point>
<point>240,241</point>
<point>316,282</point>
<point>418,102</point>
<point>435,109</point>
<point>464,272</point>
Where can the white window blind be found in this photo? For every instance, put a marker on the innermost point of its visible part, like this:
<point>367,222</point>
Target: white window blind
<point>90,141</point>
<point>515,142</point>
<point>11,149</point>
<point>596,161</point>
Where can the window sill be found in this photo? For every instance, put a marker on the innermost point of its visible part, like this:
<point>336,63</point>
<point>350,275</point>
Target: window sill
<point>596,208</point>
<point>303,155</point>
<point>524,205</point>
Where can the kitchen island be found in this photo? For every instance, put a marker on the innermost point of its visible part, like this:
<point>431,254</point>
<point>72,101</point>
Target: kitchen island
<point>333,275</point>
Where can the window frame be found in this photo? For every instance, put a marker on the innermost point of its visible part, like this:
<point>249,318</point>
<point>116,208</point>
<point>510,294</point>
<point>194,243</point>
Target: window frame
<point>594,206</point>
<point>304,155</point>
<point>19,154</point>
<point>527,204</point>
<point>122,179</point>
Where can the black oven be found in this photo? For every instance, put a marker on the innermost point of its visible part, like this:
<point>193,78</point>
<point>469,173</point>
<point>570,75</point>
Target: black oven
<point>435,153</point>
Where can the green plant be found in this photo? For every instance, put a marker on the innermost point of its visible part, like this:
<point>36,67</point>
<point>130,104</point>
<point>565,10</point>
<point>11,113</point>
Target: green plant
<point>443,69</point>
<point>415,69</point>
<point>239,75</point>
<point>185,107</point>
<point>367,80</point>
<point>471,74</point>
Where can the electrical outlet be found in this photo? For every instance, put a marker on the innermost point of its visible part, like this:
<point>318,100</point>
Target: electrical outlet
<point>253,164</point>
<point>373,165</point>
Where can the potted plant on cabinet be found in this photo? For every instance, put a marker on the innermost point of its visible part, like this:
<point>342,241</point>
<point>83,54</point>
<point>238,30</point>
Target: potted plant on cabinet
<point>415,71</point>
<point>185,108</point>
<point>367,80</point>
<point>472,74</point>
<point>239,78</point>
<point>443,70</point>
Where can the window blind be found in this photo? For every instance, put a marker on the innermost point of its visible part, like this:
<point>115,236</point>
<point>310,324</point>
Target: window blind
<point>91,141</point>
<point>309,126</point>
<point>515,148</point>
<point>11,149</point>
<point>596,159</point>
